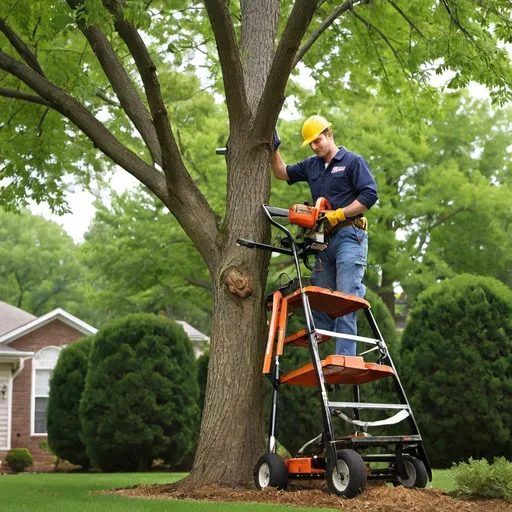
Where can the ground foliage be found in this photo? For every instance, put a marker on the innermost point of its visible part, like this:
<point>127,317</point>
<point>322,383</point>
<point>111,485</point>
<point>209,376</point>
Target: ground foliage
<point>457,368</point>
<point>140,396</point>
<point>479,479</point>
<point>66,387</point>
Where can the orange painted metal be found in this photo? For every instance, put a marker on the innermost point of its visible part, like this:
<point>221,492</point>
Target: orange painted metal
<point>281,327</point>
<point>308,216</point>
<point>276,306</point>
<point>302,465</point>
<point>335,304</point>
<point>300,339</point>
<point>339,370</point>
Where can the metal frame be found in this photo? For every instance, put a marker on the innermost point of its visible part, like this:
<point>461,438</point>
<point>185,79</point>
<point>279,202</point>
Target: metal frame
<point>412,444</point>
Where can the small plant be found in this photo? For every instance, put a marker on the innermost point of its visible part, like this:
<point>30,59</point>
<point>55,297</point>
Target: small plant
<point>478,478</point>
<point>19,459</point>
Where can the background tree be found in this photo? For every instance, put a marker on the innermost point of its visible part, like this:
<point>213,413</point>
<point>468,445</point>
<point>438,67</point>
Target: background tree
<point>139,260</point>
<point>457,368</point>
<point>67,86</point>
<point>66,388</point>
<point>140,397</point>
<point>37,264</point>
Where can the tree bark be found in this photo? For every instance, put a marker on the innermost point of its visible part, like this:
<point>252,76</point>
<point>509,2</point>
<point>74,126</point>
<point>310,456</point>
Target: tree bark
<point>232,429</point>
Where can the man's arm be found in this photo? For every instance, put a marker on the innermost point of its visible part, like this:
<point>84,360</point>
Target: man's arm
<point>354,209</point>
<point>278,166</point>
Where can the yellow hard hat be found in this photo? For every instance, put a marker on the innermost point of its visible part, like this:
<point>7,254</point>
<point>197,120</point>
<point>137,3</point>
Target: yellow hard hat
<point>312,128</point>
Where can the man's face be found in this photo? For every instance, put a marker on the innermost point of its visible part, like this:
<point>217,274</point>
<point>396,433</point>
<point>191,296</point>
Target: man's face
<point>321,145</point>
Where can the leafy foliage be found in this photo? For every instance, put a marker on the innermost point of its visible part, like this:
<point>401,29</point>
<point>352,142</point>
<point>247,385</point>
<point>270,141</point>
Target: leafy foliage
<point>479,479</point>
<point>140,397</point>
<point>457,368</point>
<point>19,459</point>
<point>139,260</point>
<point>66,387</point>
<point>37,264</point>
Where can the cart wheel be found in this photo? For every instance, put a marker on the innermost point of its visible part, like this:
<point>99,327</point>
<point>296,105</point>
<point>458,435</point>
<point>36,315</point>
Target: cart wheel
<point>270,471</point>
<point>417,472</point>
<point>347,477</point>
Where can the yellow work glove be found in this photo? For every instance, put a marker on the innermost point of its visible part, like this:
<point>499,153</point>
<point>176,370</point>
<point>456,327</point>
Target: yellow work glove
<point>335,216</point>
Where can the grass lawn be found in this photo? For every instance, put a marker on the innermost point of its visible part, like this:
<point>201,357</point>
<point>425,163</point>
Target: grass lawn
<point>70,492</point>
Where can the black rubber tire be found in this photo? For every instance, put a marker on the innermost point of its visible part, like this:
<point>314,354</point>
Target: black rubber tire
<point>270,471</point>
<point>353,478</point>
<point>418,476</point>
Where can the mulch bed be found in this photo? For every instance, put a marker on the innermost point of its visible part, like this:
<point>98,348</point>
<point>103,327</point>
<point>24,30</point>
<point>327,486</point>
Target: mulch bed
<point>374,499</point>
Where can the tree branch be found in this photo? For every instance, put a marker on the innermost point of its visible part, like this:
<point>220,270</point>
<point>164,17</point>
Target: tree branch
<point>171,159</point>
<point>61,101</point>
<point>323,27</point>
<point>121,83</point>
<point>200,284</point>
<point>185,200</point>
<point>404,15</point>
<point>20,47</point>
<point>229,55</point>
<point>14,93</point>
<point>273,95</point>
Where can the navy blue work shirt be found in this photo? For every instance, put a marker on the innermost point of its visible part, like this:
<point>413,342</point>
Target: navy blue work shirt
<point>346,178</point>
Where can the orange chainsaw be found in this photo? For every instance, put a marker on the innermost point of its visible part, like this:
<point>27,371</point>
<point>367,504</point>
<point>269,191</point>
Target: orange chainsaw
<point>312,221</point>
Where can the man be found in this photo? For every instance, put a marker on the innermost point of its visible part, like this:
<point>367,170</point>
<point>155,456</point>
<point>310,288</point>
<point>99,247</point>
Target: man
<point>345,180</point>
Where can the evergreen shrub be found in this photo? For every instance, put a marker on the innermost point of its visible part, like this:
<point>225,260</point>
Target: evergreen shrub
<point>457,369</point>
<point>140,398</point>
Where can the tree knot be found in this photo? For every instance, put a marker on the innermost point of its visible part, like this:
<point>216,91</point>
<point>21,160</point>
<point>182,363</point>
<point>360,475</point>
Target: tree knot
<point>239,283</point>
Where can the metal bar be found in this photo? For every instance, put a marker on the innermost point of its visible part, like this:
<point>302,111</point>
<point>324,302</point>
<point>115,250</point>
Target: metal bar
<point>368,351</point>
<point>363,405</point>
<point>400,391</point>
<point>276,305</point>
<point>370,341</point>
<point>256,245</point>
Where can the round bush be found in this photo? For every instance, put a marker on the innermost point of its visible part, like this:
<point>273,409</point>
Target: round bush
<point>19,459</point>
<point>66,388</point>
<point>141,393</point>
<point>457,368</point>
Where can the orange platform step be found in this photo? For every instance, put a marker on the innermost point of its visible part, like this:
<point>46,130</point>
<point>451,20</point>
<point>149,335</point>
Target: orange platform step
<point>339,370</point>
<point>335,304</point>
<point>300,339</point>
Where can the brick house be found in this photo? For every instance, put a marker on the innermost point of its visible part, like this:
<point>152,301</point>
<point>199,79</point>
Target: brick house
<point>29,349</point>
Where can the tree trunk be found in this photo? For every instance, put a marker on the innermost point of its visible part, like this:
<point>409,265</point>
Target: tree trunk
<point>232,429</point>
<point>387,292</point>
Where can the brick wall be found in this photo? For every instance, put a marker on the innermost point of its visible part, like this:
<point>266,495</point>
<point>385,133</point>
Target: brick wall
<point>57,334</point>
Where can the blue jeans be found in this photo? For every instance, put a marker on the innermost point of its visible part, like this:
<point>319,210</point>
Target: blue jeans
<point>341,267</point>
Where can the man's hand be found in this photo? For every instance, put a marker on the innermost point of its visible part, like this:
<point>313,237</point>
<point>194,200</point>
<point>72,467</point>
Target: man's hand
<point>277,140</point>
<point>335,216</point>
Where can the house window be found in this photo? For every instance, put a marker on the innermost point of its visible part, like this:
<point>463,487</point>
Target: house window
<point>43,364</point>
<point>41,394</point>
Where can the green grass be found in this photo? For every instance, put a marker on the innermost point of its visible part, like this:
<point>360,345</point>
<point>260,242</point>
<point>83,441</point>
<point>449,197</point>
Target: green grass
<point>442,479</point>
<point>74,492</point>
<point>71,492</point>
